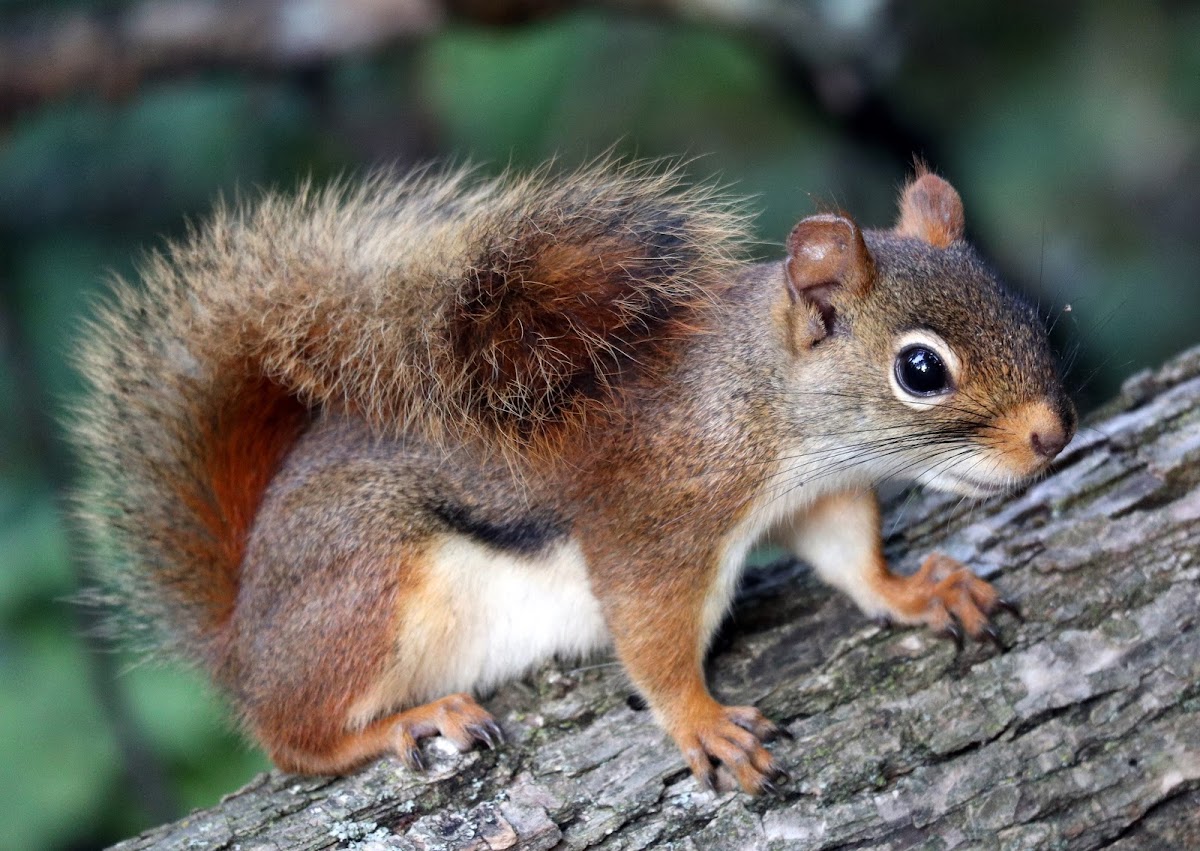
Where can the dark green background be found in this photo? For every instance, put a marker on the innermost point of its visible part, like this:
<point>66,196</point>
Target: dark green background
<point>1071,130</point>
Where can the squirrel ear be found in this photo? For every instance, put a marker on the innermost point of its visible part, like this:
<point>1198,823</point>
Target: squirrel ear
<point>826,253</point>
<point>931,210</point>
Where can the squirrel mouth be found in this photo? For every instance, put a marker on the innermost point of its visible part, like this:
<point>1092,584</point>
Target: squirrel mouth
<point>976,487</point>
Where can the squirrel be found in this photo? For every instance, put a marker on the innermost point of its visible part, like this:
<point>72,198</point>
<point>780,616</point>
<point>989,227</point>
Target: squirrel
<point>364,451</point>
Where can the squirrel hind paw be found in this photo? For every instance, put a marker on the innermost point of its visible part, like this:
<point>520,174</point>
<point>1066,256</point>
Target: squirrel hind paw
<point>458,718</point>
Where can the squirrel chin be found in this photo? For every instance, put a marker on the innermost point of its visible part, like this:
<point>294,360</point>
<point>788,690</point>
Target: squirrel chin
<point>974,488</point>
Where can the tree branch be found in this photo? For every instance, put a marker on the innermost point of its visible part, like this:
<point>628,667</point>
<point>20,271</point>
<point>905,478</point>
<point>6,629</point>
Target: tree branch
<point>1086,733</point>
<point>47,56</point>
<point>114,50</point>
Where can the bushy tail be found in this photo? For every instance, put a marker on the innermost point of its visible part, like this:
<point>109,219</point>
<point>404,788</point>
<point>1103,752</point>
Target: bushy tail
<point>176,454</point>
<point>510,310</point>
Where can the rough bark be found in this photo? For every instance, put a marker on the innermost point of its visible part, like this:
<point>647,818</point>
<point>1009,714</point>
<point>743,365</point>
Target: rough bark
<point>1084,734</point>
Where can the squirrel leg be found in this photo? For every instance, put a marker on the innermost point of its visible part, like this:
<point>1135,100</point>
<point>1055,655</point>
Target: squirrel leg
<point>840,537</point>
<point>330,701</point>
<point>659,635</point>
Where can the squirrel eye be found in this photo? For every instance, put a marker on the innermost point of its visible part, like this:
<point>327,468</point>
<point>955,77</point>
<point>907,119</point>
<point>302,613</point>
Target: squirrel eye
<point>921,372</point>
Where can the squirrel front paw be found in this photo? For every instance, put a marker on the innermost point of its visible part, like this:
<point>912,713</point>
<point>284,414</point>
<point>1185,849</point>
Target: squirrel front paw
<point>724,744</point>
<point>457,717</point>
<point>949,598</point>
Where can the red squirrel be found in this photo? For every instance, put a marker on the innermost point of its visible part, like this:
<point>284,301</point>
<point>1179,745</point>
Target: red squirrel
<point>366,450</point>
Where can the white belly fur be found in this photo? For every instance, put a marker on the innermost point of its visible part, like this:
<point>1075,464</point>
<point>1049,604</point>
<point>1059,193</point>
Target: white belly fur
<point>513,612</point>
<point>486,616</point>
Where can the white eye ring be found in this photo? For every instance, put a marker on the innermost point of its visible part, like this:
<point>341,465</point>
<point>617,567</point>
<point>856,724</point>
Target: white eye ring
<point>929,340</point>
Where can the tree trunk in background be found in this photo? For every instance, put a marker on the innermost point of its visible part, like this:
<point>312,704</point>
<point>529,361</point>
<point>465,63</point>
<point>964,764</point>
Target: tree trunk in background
<point>1085,733</point>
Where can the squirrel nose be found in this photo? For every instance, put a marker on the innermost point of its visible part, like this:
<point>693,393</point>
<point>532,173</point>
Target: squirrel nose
<point>1048,442</point>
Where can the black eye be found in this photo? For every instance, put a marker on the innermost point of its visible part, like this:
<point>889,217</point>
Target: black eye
<point>921,372</point>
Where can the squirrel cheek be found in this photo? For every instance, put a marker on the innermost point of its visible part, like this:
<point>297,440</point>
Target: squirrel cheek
<point>1029,436</point>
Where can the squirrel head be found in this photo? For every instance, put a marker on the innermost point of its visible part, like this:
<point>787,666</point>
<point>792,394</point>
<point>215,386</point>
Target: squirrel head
<point>945,375</point>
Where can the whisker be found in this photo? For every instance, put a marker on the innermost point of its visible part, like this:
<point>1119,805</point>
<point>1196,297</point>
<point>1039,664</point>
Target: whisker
<point>825,453</point>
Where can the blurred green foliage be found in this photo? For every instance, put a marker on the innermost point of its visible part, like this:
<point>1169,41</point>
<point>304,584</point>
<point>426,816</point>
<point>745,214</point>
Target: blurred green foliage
<point>1070,129</point>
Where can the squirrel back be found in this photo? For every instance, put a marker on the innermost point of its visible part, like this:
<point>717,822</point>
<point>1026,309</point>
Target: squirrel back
<point>507,311</point>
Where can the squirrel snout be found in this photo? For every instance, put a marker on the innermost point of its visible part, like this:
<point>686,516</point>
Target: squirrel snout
<point>1048,443</point>
<point>1052,433</point>
<point>1032,434</point>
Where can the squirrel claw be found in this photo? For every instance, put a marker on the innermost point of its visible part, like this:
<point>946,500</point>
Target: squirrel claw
<point>1011,607</point>
<point>495,733</point>
<point>488,733</point>
<point>412,758</point>
<point>954,632</point>
<point>754,722</point>
<point>778,778</point>
<point>990,633</point>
